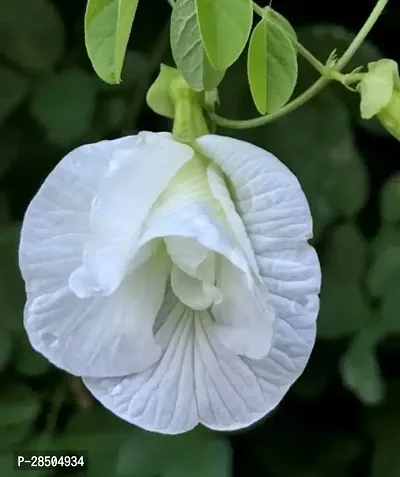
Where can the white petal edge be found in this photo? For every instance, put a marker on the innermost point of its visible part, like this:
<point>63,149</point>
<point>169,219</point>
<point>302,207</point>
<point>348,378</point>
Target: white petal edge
<point>54,231</point>
<point>278,223</point>
<point>135,179</point>
<point>196,381</point>
<point>103,336</point>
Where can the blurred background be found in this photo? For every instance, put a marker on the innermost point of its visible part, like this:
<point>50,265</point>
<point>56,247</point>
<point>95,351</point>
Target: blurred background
<point>342,417</point>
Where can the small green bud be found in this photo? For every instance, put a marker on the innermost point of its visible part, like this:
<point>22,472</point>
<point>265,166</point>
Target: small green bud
<point>389,116</point>
<point>377,86</point>
<point>380,95</point>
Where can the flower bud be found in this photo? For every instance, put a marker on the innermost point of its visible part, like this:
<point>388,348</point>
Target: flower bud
<point>389,116</point>
<point>380,94</point>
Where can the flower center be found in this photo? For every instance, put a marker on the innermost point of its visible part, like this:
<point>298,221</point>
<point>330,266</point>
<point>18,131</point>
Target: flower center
<point>193,273</point>
<point>194,266</point>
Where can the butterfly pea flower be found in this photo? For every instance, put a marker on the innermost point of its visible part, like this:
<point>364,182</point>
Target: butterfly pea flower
<point>177,280</point>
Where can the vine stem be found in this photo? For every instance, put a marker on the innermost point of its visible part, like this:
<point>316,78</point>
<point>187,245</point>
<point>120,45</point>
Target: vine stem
<point>313,89</point>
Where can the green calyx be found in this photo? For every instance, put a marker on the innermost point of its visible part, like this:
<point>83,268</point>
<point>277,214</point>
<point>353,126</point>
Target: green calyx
<point>189,121</point>
<point>389,116</point>
<point>380,95</point>
<point>171,96</point>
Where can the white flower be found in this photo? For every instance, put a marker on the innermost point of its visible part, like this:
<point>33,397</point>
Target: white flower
<point>178,284</point>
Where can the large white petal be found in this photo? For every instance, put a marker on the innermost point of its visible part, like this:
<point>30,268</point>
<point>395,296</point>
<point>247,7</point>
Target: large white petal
<point>196,380</point>
<point>135,179</point>
<point>278,222</point>
<point>245,321</point>
<point>220,192</point>
<point>55,230</point>
<point>267,195</point>
<point>56,223</point>
<point>101,336</point>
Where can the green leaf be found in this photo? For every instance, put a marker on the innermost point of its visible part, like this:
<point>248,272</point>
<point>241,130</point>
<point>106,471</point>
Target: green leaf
<point>384,270</point>
<point>346,254</point>
<point>187,48</point>
<point>388,236</point>
<point>280,20</point>
<point>272,65</point>
<point>359,369</point>
<point>197,453</point>
<point>18,404</point>
<point>14,90</point>
<point>376,87</point>
<point>158,97</point>
<point>32,34</point>
<point>344,309</point>
<point>64,105</point>
<point>384,273</point>
<point>136,68</point>
<point>108,25</point>
<point>390,199</point>
<point>225,28</point>
<point>390,307</point>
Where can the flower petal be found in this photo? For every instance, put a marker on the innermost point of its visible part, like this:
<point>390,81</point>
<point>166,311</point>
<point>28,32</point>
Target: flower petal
<point>161,398</point>
<point>56,223</point>
<point>101,336</point>
<point>134,181</point>
<point>196,221</point>
<point>278,222</point>
<point>244,320</point>
<point>268,196</point>
<point>221,194</point>
<point>192,291</point>
<point>196,380</point>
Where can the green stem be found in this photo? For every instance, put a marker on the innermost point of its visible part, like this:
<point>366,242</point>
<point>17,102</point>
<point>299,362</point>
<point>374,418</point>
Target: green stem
<point>308,56</point>
<point>171,2</point>
<point>313,89</point>
<point>259,10</point>
<point>361,35</point>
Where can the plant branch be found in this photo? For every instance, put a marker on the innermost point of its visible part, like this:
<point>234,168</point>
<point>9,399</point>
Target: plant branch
<point>313,89</point>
